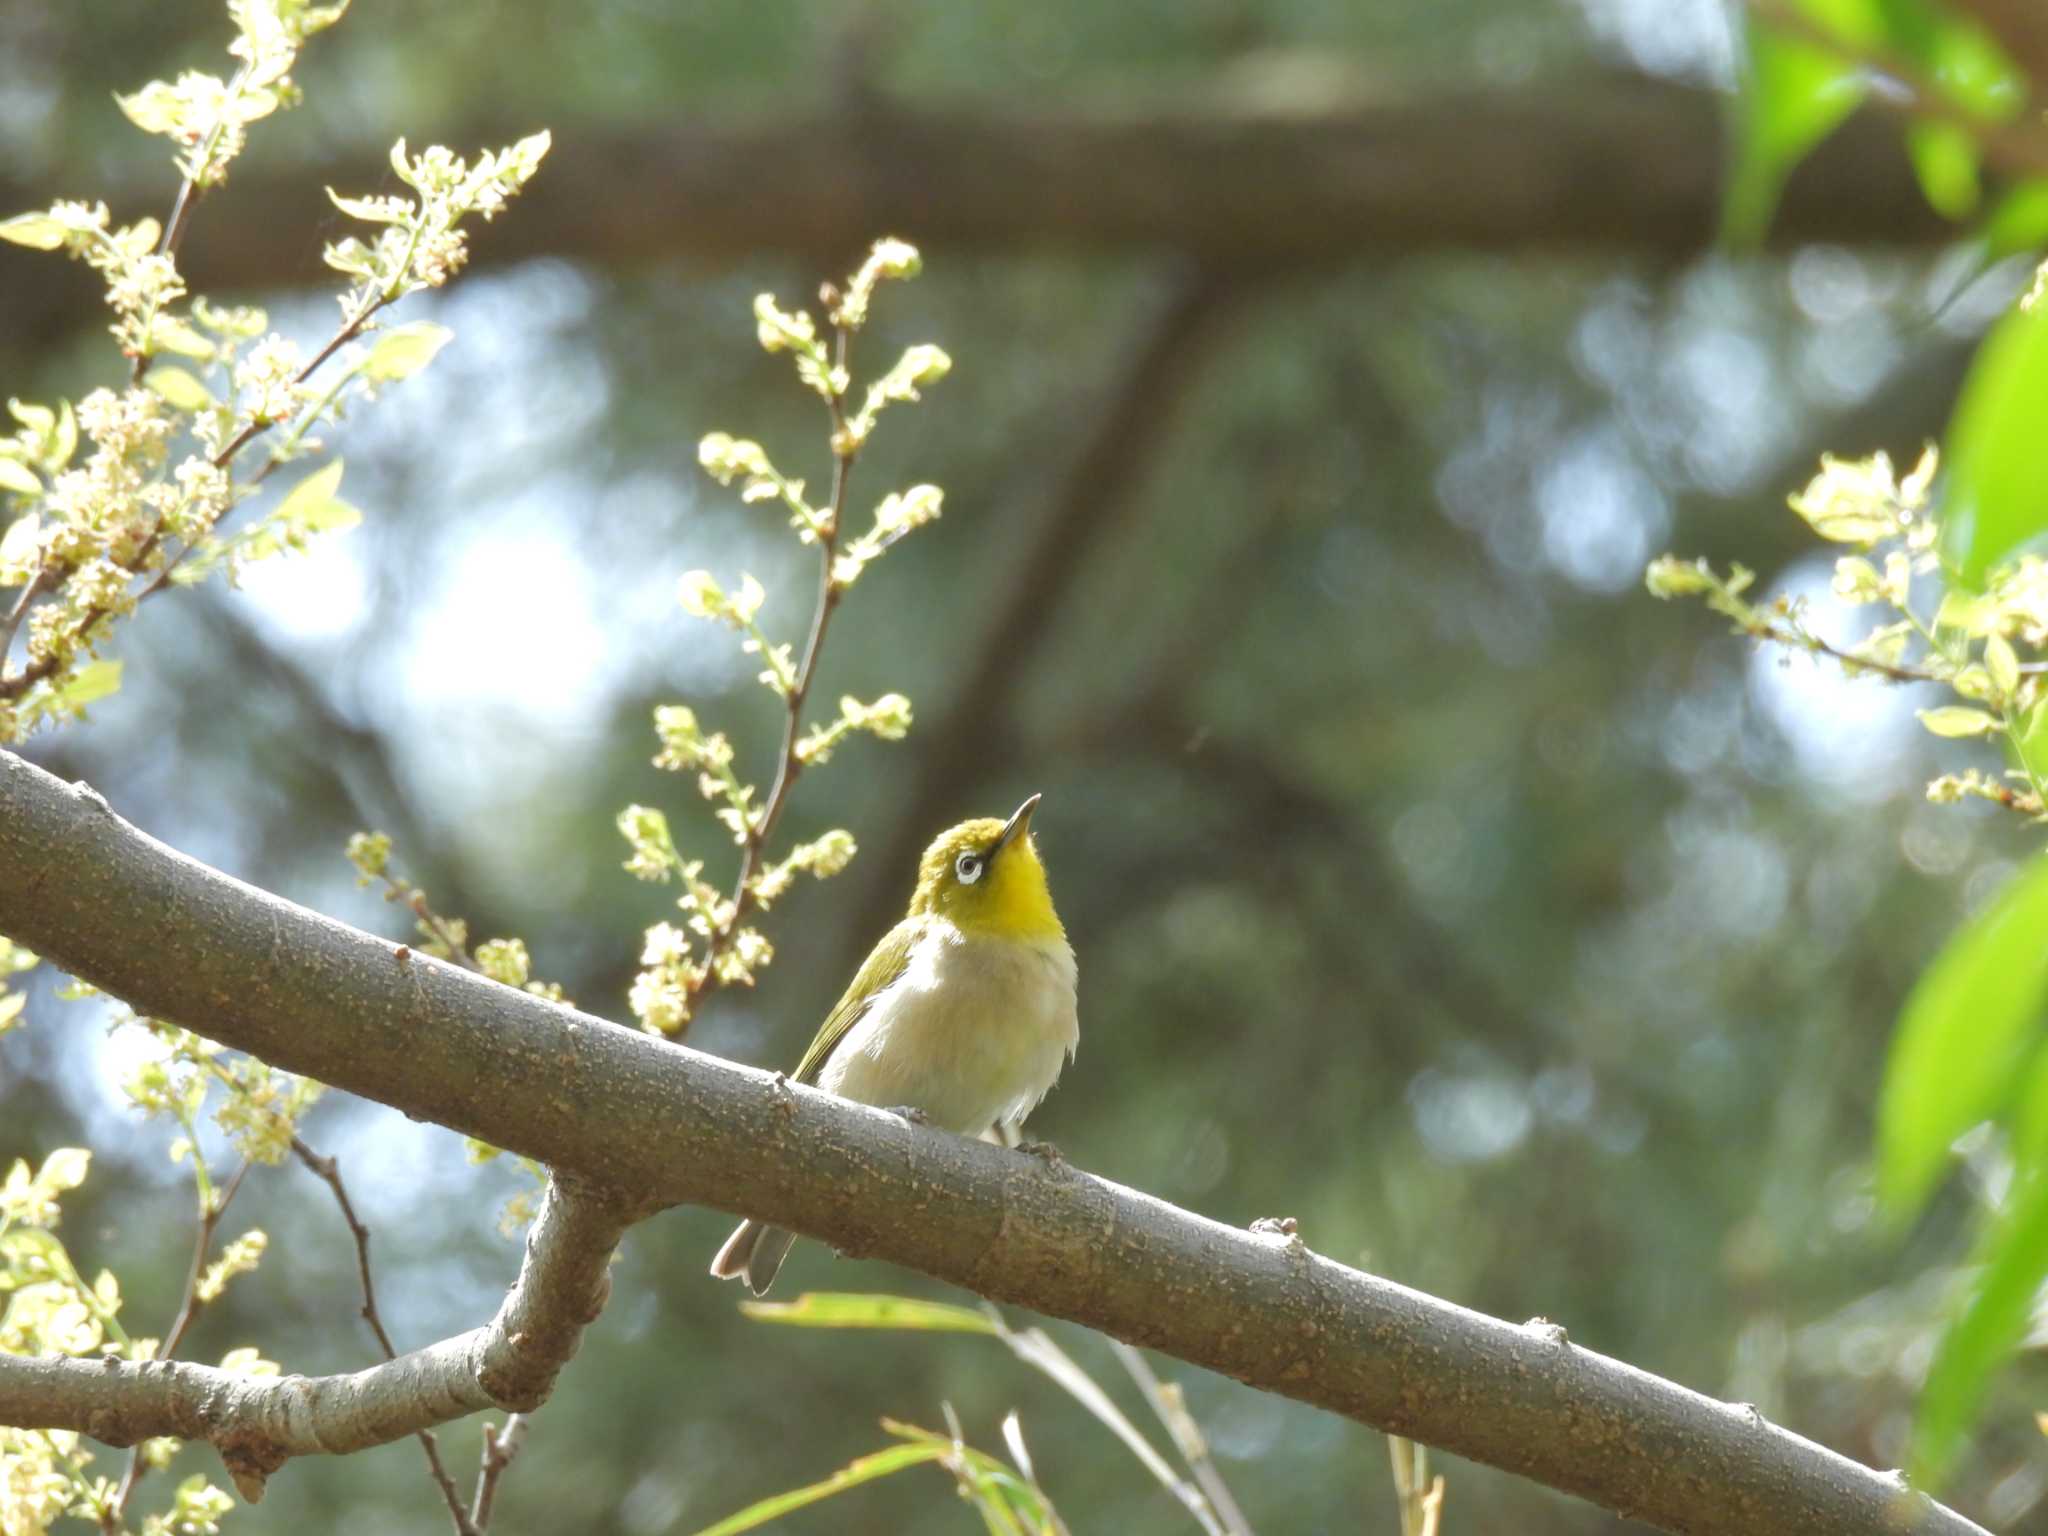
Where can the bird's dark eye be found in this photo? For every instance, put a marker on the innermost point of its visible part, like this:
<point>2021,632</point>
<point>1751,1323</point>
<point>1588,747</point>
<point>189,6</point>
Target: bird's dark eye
<point>968,868</point>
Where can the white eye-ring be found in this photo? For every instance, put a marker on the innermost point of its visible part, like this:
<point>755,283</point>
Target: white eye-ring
<point>968,868</point>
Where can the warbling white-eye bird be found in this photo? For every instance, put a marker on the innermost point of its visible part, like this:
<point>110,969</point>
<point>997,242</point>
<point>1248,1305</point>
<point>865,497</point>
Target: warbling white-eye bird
<point>963,1014</point>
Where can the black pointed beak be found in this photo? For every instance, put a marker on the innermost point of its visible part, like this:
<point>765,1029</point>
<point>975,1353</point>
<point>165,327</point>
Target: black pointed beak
<point>1018,824</point>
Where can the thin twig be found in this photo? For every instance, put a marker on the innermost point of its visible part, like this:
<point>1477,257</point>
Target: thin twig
<point>188,196</point>
<point>501,1448</point>
<point>1172,1410</point>
<point>1799,640</point>
<point>328,1171</point>
<point>443,929</point>
<point>789,765</point>
<point>17,613</point>
<point>113,1516</point>
<point>1421,1506</point>
<point>15,685</point>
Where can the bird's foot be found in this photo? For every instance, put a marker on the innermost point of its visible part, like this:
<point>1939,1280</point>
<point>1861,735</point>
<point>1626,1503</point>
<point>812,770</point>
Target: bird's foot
<point>911,1113</point>
<point>1044,1151</point>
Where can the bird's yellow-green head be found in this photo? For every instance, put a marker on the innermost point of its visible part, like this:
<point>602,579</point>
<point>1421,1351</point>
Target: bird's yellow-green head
<point>986,877</point>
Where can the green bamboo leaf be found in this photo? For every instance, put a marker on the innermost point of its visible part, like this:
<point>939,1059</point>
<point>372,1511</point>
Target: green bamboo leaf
<point>846,1309</point>
<point>1992,1323</point>
<point>1793,96</point>
<point>1945,160</point>
<point>866,1469</point>
<point>1966,1030</point>
<point>1996,456</point>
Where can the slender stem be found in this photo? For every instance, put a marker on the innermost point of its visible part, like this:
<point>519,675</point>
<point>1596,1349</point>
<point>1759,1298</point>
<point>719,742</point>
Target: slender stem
<point>501,1447</point>
<point>16,614</point>
<point>210,1213</point>
<point>12,687</point>
<point>789,765</point>
<point>328,1171</point>
<point>1803,641</point>
<point>188,198</point>
<point>1172,1411</point>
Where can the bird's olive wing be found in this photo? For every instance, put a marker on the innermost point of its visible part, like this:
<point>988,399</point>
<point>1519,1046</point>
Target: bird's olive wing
<point>886,961</point>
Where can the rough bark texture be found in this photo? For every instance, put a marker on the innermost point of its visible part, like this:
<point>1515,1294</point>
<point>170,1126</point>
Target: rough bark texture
<point>257,1423</point>
<point>655,1124</point>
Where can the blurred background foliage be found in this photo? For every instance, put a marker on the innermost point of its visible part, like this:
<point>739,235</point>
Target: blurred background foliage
<point>1529,942</point>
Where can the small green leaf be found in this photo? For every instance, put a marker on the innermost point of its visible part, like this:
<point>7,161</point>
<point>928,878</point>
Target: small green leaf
<point>845,1309</point>
<point>1957,720</point>
<point>179,389</point>
<point>1795,94</point>
<point>1996,455</point>
<point>404,350</point>
<point>2017,222</point>
<point>312,506</point>
<point>1962,1038</point>
<point>2002,664</point>
<point>94,681</point>
<point>2015,1262</point>
<point>36,230</point>
<point>17,477</point>
<point>170,334</point>
<point>1945,160</point>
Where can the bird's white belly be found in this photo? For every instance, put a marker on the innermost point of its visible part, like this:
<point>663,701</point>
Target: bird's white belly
<point>973,1032</point>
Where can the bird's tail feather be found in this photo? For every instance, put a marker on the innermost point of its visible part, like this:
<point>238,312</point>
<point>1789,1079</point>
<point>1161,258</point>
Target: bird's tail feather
<point>753,1252</point>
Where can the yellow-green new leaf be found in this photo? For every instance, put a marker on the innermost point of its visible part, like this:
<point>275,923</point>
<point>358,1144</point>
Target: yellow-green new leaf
<point>17,477</point>
<point>404,350</point>
<point>1958,720</point>
<point>90,683</point>
<point>844,1309</point>
<point>38,231</point>
<point>179,389</point>
<point>2002,665</point>
<point>312,504</point>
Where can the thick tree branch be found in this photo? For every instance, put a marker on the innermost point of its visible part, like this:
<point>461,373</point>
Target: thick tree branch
<point>1614,164</point>
<point>257,1423</point>
<point>656,1124</point>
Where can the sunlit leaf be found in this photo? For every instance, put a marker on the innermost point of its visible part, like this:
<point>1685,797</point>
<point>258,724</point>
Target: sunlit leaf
<point>1945,160</point>
<point>1793,95</point>
<point>95,680</point>
<point>36,230</point>
<point>2017,222</point>
<point>404,350</point>
<point>312,505</point>
<point>178,388</point>
<point>844,1309</point>
<point>1996,454</point>
<point>1957,720</point>
<point>1963,1035</point>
